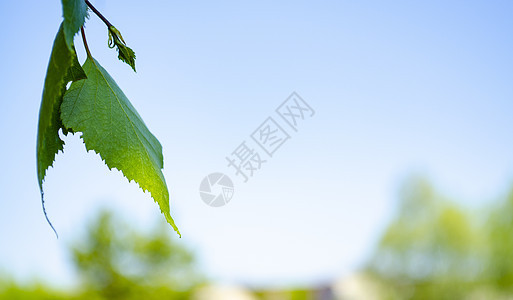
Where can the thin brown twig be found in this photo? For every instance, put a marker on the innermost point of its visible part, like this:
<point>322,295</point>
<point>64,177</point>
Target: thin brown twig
<point>85,42</point>
<point>98,14</point>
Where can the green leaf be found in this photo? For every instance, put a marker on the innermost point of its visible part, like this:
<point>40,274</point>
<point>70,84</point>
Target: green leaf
<point>48,141</point>
<point>57,75</point>
<point>62,68</point>
<point>111,127</point>
<point>74,13</point>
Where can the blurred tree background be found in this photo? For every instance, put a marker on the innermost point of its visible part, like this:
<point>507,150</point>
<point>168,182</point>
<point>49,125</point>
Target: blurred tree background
<point>435,249</point>
<point>114,261</point>
<point>432,249</point>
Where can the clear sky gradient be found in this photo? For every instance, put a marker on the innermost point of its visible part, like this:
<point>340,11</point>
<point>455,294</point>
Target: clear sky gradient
<point>399,88</point>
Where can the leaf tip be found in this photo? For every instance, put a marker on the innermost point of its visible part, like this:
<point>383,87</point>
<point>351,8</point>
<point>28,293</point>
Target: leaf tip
<point>44,211</point>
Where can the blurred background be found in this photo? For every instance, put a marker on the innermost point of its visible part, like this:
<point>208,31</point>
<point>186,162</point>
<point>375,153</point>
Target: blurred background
<point>400,186</point>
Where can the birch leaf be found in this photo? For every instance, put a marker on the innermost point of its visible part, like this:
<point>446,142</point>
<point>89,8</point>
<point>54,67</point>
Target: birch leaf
<point>111,127</point>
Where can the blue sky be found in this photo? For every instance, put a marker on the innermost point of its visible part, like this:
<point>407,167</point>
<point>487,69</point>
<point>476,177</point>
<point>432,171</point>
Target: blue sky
<point>399,88</point>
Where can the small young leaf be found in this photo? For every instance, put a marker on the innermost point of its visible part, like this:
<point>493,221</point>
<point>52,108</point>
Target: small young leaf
<point>125,53</point>
<point>111,127</point>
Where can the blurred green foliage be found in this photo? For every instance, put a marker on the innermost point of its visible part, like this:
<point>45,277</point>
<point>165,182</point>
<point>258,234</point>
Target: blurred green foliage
<point>434,249</point>
<point>288,294</point>
<point>13,291</point>
<point>115,262</point>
